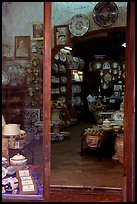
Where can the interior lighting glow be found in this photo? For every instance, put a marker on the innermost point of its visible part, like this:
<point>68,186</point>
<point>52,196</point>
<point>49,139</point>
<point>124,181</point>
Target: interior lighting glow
<point>68,48</point>
<point>124,44</point>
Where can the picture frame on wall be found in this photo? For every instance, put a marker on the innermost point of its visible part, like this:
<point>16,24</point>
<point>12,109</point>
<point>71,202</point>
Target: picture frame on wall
<point>22,47</point>
<point>61,35</point>
<point>37,29</point>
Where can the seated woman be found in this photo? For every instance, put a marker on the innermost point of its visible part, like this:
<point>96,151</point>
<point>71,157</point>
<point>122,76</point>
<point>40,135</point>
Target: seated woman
<point>91,101</point>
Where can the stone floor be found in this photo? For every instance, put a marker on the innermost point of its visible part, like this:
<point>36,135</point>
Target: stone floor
<point>69,167</point>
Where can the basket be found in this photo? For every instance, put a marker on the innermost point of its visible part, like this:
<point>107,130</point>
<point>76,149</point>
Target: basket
<point>92,140</point>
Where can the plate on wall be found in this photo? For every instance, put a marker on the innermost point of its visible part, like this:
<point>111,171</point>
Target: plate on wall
<point>115,65</point>
<point>5,78</point>
<point>106,65</point>
<point>105,13</point>
<point>78,25</point>
<point>97,65</point>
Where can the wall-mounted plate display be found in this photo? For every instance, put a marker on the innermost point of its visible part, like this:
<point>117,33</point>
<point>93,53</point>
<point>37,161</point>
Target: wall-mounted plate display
<point>107,77</point>
<point>123,66</point>
<point>115,71</point>
<point>62,68</point>
<point>105,13</point>
<point>5,78</point>
<point>56,56</point>
<point>123,75</point>
<point>115,65</point>
<point>104,85</point>
<point>55,67</point>
<point>63,99</point>
<point>63,79</point>
<point>118,115</point>
<point>97,65</point>
<point>63,89</point>
<point>106,65</point>
<point>6,51</point>
<point>63,57</point>
<point>79,25</point>
<point>117,87</point>
<point>77,100</point>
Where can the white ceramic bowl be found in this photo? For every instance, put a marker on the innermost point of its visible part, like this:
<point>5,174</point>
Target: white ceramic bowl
<point>18,160</point>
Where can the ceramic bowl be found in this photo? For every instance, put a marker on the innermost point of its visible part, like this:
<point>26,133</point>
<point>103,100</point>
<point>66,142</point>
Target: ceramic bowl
<point>18,160</point>
<point>116,128</point>
<point>11,171</point>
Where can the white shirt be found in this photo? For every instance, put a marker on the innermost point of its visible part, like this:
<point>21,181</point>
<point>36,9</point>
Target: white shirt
<point>90,100</point>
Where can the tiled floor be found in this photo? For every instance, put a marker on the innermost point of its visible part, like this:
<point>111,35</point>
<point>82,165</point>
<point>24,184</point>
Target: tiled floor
<point>69,167</point>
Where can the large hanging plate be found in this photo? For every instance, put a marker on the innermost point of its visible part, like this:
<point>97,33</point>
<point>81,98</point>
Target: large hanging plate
<point>105,13</point>
<point>78,25</point>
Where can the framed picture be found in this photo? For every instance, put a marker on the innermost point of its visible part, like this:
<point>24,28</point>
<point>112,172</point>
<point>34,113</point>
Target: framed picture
<point>22,47</point>
<point>37,29</point>
<point>61,35</point>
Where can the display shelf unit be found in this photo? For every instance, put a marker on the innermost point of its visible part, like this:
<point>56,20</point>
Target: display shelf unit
<point>61,87</point>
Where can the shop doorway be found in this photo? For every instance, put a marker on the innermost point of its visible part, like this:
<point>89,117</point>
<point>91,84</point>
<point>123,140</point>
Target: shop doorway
<point>81,44</point>
<point>128,188</point>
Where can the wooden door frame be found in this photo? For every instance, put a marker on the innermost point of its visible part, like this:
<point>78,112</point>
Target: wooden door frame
<point>129,120</point>
<point>129,125</point>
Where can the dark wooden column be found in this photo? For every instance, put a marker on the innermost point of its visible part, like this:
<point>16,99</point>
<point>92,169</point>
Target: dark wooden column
<point>129,121</point>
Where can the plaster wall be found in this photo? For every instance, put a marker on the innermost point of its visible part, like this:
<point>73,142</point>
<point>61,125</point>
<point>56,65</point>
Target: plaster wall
<point>16,21</point>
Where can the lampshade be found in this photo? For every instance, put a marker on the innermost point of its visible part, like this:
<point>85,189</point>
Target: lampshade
<point>3,121</point>
<point>11,129</point>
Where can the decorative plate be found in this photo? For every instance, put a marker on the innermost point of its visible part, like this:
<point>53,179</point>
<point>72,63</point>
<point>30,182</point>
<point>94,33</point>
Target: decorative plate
<point>56,56</point>
<point>63,57</point>
<point>35,61</point>
<point>55,67</point>
<point>107,77</point>
<point>97,65</point>
<point>4,172</point>
<point>63,89</point>
<point>104,85</point>
<point>63,79</point>
<point>115,65</point>
<point>5,78</point>
<point>77,101</point>
<point>105,13</point>
<point>6,51</point>
<point>118,115</point>
<point>106,65</point>
<point>78,25</point>
<point>115,71</point>
<point>62,68</point>
<point>63,99</point>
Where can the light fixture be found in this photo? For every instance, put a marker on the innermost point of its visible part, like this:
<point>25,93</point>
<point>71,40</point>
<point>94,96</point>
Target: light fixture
<point>11,130</point>
<point>124,44</point>
<point>68,48</point>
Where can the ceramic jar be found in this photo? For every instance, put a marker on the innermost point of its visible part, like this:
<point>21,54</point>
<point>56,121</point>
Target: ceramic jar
<point>18,160</point>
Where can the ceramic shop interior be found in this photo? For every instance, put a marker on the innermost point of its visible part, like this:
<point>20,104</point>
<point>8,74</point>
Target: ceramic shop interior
<point>87,54</point>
